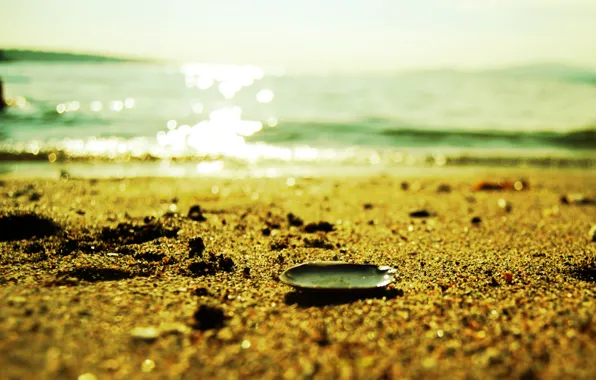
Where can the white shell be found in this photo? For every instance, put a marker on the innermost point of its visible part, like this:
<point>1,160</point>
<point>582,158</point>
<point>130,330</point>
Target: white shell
<point>338,275</point>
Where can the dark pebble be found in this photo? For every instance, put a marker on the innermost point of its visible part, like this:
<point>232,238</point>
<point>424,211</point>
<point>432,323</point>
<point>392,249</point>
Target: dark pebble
<point>420,214</point>
<point>208,317</point>
<point>197,246</point>
<point>405,186</point>
<point>201,292</point>
<point>279,244</point>
<point>476,220</point>
<point>35,196</point>
<point>20,226</point>
<point>128,233</point>
<point>295,221</point>
<point>317,243</point>
<point>367,206</point>
<point>225,263</point>
<point>201,268</point>
<point>34,248</point>
<point>196,214</point>
<point>320,226</point>
<point>444,188</point>
<point>266,231</point>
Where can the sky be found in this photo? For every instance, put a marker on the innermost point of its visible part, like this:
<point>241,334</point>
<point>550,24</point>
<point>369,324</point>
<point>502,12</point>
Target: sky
<point>312,34</point>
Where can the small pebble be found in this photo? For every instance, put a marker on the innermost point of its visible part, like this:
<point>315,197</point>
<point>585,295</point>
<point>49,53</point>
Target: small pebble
<point>508,276</point>
<point>87,376</point>
<point>420,214</point>
<point>294,220</point>
<point>476,220</point>
<point>195,213</point>
<point>148,365</point>
<point>197,247</point>
<point>35,196</point>
<point>320,226</point>
<point>577,199</point>
<point>444,188</point>
<point>503,204</point>
<point>209,317</point>
<point>145,333</point>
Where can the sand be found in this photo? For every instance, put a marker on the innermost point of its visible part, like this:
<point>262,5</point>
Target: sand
<point>119,285</point>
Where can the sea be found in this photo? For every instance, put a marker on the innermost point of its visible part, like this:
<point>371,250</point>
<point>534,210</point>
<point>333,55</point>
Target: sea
<point>129,119</point>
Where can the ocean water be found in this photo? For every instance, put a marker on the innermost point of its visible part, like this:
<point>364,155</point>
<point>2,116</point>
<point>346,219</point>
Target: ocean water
<point>187,119</point>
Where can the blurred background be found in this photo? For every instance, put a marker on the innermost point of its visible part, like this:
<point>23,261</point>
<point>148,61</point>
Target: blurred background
<point>267,88</point>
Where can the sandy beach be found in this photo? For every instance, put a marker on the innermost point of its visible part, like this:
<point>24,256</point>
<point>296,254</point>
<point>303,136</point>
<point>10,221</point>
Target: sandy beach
<point>103,279</point>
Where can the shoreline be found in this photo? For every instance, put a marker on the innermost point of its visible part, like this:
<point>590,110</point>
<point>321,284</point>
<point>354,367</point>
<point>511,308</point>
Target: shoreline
<point>117,288</point>
<point>230,169</point>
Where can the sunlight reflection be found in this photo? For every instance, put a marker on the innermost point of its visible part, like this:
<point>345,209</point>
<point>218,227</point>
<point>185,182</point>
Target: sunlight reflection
<point>203,83</point>
<point>73,106</point>
<point>272,122</point>
<point>210,167</point>
<point>231,78</point>
<point>129,102</point>
<point>96,106</point>
<point>197,108</point>
<point>264,96</point>
<point>117,106</point>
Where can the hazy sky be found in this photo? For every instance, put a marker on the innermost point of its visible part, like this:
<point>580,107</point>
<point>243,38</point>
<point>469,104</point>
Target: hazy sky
<point>342,34</point>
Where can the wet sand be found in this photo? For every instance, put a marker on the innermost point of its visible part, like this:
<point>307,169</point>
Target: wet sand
<point>108,279</point>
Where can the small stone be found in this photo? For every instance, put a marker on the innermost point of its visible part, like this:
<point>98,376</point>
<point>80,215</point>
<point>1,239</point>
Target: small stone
<point>199,292</point>
<point>87,376</point>
<point>294,220</point>
<point>592,233</point>
<point>405,186</point>
<point>508,276</point>
<point>148,365</point>
<point>577,199</point>
<point>195,213</point>
<point>367,206</point>
<point>476,220</point>
<point>503,204</point>
<point>197,246</point>
<point>209,317</point>
<point>320,226</point>
<point>266,231</point>
<point>145,333</point>
<point>420,214</point>
<point>443,188</point>
<point>35,196</point>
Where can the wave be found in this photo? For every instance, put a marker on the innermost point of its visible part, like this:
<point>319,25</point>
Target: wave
<point>580,139</point>
<point>380,132</point>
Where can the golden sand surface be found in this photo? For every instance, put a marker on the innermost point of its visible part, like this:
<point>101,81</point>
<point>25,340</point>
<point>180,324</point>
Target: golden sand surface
<point>108,279</point>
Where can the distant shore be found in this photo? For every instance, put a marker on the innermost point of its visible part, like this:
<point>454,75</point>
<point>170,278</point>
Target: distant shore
<point>20,55</point>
